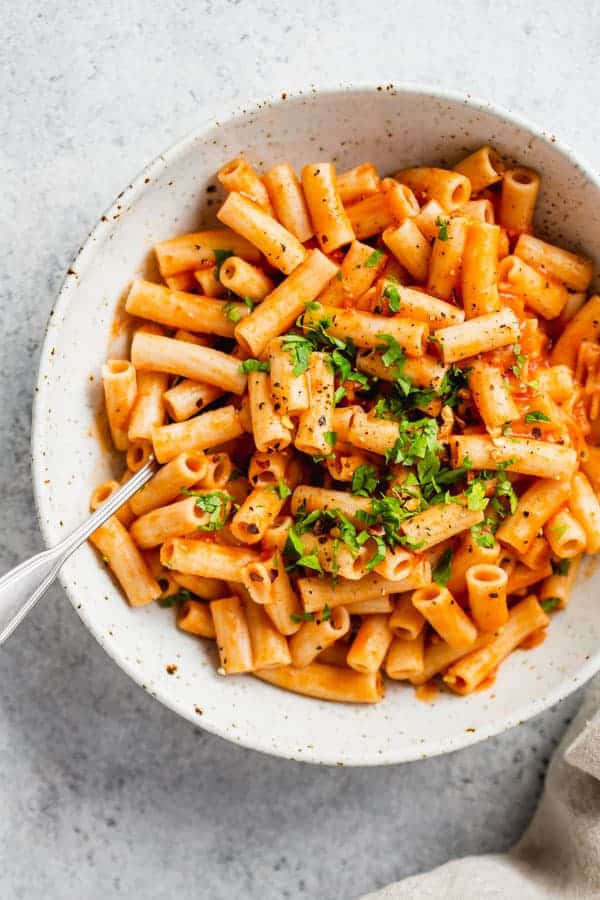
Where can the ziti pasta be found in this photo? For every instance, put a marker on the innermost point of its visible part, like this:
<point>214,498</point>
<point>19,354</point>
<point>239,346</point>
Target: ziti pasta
<point>375,402</point>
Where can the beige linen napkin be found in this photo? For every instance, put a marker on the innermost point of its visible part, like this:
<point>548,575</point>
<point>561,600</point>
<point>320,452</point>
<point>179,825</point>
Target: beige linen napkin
<point>558,857</point>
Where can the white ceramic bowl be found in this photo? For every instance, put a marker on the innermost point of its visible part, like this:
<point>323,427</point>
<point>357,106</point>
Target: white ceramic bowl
<point>393,128</point>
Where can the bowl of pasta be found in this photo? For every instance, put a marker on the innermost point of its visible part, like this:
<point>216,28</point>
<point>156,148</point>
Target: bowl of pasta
<point>356,330</point>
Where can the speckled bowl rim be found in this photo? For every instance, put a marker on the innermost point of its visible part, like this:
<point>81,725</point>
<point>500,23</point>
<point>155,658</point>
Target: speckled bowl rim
<point>129,196</point>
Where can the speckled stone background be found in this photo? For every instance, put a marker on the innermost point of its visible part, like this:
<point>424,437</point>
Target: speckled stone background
<point>103,793</point>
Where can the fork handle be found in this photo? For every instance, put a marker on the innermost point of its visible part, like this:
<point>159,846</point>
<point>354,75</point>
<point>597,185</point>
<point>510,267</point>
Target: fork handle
<point>22,587</point>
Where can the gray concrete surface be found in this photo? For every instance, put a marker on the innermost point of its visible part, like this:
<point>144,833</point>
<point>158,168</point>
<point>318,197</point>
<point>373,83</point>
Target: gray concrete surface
<point>103,793</point>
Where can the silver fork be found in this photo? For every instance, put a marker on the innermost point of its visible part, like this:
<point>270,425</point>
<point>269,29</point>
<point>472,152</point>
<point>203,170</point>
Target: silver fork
<point>22,587</point>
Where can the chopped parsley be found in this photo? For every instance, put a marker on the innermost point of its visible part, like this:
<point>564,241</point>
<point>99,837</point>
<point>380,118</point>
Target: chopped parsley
<point>299,348</point>
<point>536,416</point>
<point>339,354</point>
<point>310,561</point>
<point>415,442</point>
<point>294,551</point>
<point>373,259</point>
<point>392,354</point>
<point>364,480</point>
<point>231,312</point>
<point>344,370</point>
<point>482,533</point>
<point>302,617</point>
<point>561,567</point>
<point>282,490</point>
<point>404,396</point>
<point>293,543</point>
<point>392,295</point>
<point>180,597</point>
<point>475,494</point>
<point>321,457</point>
<point>249,303</point>
<point>214,504</point>
<point>380,552</point>
<point>442,224</point>
<point>339,395</point>
<point>388,512</point>
<point>323,616</point>
<point>441,572</point>
<point>254,365</point>
<point>549,603</point>
<point>330,438</point>
<point>520,360</point>
<point>220,257</point>
<point>435,479</point>
<point>503,490</point>
<point>455,381</point>
<point>335,523</point>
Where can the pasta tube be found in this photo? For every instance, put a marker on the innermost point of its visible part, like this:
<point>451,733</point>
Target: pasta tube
<point>114,543</point>
<point>232,635</point>
<point>329,218</point>
<point>278,312</point>
<point>445,616</point>
<point>327,683</point>
<point>282,249</point>
<point>466,674</point>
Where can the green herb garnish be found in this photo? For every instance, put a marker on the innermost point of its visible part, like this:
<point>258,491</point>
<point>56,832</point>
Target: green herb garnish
<point>299,348</point>
<point>310,561</point>
<point>380,552</point>
<point>214,504</point>
<point>441,572</point>
<point>521,359</point>
<point>482,535</point>
<point>536,416</point>
<point>282,490</point>
<point>231,312</point>
<point>416,441</point>
<point>364,480</point>
<point>442,224</point>
<point>302,617</point>
<point>475,494</point>
<point>549,603</point>
<point>180,597</point>
<point>294,550</point>
<point>455,381</point>
<point>254,365</point>
<point>339,394</point>
<point>373,259</point>
<point>392,295</point>
<point>220,257</point>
